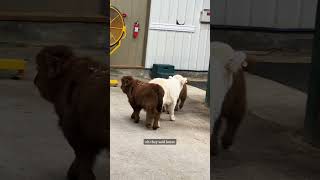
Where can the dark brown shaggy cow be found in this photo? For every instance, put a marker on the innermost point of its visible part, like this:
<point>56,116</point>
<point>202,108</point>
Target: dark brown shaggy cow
<point>233,111</point>
<point>79,90</point>
<point>182,98</point>
<point>142,95</point>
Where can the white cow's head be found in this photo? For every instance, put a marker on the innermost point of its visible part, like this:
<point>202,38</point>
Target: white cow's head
<point>180,78</point>
<point>232,60</point>
<point>237,62</point>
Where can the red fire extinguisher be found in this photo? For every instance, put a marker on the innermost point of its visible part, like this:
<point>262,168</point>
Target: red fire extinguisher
<point>136,29</point>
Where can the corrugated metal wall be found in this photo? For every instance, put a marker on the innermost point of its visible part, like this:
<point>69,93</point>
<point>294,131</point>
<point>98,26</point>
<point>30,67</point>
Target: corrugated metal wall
<point>186,46</point>
<point>286,14</point>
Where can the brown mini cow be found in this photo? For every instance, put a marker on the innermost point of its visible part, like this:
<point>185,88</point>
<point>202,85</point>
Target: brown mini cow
<point>79,90</point>
<point>142,95</point>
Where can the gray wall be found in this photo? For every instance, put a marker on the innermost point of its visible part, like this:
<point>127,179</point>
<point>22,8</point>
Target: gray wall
<point>258,40</point>
<point>67,7</point>
<point>78,35</point>
<point>285,14</point>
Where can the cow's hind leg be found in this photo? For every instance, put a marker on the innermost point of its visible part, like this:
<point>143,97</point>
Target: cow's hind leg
<point>177,105</point>
<point>149,119</point>
<point>87,160</point>
<point>233,124</point>
<point>171,110</point>
<point>156,123</point>
<point>135,115</point>
<point>214,141</point>
<point>73,170</point>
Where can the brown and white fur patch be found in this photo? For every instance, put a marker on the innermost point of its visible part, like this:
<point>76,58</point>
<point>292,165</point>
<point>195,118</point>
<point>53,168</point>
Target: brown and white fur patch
<point>172,88</point>
<point>229,97</point>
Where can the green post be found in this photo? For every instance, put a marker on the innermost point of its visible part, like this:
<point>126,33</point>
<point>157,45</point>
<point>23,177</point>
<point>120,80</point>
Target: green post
<point>312,124</point>
<point>208,88</point>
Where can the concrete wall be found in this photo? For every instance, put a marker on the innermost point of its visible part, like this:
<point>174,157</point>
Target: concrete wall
<point>77,35</point>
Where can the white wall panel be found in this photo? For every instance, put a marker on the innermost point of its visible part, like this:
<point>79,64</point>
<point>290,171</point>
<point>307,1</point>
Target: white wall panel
<point>285,14</point>
<point>187,46</point>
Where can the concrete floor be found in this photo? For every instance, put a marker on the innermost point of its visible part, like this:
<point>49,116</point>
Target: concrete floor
<point>188,160</point>
<point>264,151</point>
<point>270,143</point>
<point>31,144</point>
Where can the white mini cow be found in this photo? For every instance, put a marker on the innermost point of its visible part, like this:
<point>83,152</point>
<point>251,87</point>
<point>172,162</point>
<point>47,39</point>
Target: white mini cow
<point>172,88</point>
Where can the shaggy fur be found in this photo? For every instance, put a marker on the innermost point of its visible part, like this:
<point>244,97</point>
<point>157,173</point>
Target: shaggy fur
<point>180,102</point>
<point>233,111</point>
<point>78,89</point>
<point>229,94</point>
<point>182,98</point>
<point>172,88</point>
<point>145,96</point>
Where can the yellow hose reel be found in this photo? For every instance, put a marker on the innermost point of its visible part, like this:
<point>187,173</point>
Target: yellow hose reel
<point>118,32</point>
<point>118,29</point>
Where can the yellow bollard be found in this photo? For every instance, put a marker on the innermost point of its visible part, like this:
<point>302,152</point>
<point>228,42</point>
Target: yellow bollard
<point>14,64</point>
<point>114,83</point>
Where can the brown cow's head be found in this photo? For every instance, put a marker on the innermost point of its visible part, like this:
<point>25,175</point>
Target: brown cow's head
<point>126,83</point>
<point>51,63</point>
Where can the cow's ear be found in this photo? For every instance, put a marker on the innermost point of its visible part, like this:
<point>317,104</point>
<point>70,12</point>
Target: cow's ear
<point>128,81</point>
<point>239,56</point>
<point>184,81</point>
<point>244,64</point>
<point>237,62</point>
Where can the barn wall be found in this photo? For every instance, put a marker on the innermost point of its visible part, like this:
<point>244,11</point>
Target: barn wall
<point>187,46</point>
<point>284,14</point>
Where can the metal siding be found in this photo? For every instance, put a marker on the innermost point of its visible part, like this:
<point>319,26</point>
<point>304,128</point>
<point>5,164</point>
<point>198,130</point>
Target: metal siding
<point>263,13</point>
<point>185,50</point>
<point>286,14</point>
<point>219,11</point>
<point>238,12</point>
<point>309,8</point>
